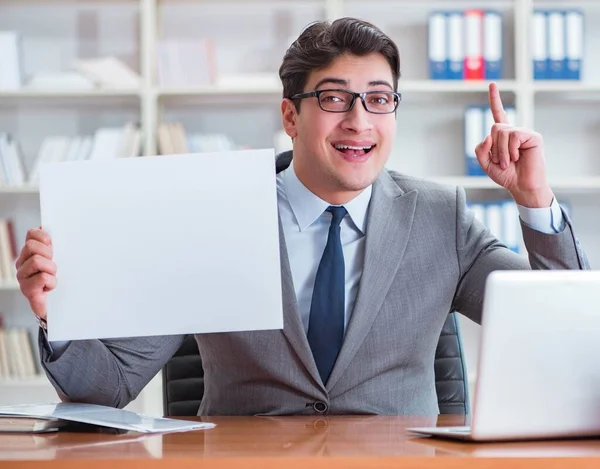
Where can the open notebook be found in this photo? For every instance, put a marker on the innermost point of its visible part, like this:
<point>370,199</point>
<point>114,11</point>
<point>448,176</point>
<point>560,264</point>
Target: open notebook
<point>47,417</point>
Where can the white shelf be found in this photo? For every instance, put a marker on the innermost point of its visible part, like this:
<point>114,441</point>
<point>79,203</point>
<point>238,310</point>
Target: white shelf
<point>9,286</point>
<point>483,182</point>
<point>216,90</point>
<point>454,86</point>
<point>26,189</point>
<point>53,94</point>
<point>560,86</point>
<point>34,381</point>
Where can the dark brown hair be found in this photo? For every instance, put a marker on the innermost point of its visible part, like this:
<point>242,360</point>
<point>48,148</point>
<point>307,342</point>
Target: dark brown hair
<point>321,43</point>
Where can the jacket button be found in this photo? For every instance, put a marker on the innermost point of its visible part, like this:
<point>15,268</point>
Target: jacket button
<point>320,407</point>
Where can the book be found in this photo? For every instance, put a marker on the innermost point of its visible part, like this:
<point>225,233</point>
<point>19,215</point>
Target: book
<point>539,42</point>
<point>573,43</point>
<point>20,424</point>
<point>473,66</point>
<point>438,60</point>
<point>492,45</point>
<point>456,45</point>
<point>556,45</point>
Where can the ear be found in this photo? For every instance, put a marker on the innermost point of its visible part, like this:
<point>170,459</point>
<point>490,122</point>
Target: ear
<point>289,117</point>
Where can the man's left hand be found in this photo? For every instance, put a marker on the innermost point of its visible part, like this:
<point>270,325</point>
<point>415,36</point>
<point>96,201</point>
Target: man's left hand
<point>513,157</point>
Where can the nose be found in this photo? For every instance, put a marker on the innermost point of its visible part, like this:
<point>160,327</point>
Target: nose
<point>358,119</point>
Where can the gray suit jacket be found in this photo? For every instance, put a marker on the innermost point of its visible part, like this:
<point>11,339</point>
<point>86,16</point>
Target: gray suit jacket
<point>425,256</point>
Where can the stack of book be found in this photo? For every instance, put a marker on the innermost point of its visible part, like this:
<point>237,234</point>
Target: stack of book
<point>557,44</point>
<point>502,219</point>
<point>8,251</point>
<point>106,72</point>
<point>12,172</point>
<point>107,143</point>
<point>478,122</point>
<point>16,353</point>
<point>174,140</point>
<point>465,45</point>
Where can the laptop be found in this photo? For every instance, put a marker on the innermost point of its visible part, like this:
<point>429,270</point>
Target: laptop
<point>538,372</point>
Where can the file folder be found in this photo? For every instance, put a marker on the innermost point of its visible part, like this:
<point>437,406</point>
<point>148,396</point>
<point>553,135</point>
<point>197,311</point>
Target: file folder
<point>492,45</point>
<point>438,57</point>
<point>456,48</point>
<point>539,43</point>
<point>474,45</point>
<point>574,44</point>
<point>556,49</point>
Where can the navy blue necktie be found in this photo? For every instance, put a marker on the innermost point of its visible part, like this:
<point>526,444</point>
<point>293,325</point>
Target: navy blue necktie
<point>326,323</point>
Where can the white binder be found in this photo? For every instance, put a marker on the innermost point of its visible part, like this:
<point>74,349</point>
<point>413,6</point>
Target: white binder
<point>574,44</point>
<point>438,57</point>
<point>556,49</point>
<point>456,45</point>
<point>474,134</point>
<point>539,45</point>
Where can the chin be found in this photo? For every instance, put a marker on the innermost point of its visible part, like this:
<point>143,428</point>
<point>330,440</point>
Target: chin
<point>357,183</point>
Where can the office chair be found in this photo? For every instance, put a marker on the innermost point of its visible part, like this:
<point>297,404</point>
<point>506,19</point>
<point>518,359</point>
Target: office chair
<point>183,376</point>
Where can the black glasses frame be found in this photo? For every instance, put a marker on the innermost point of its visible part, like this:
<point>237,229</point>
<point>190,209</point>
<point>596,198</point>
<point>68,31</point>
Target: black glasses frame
<point>362,96</point>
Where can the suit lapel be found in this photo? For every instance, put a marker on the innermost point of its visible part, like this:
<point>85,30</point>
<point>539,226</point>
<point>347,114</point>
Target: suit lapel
<point>293,329</point>
<point>390,220</point>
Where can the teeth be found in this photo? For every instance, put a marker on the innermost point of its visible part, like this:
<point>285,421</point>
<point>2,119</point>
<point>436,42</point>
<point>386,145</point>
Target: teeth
<point>348,147</point>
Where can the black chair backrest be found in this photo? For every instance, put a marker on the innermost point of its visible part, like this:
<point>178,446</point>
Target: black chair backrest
<point>183,376</point>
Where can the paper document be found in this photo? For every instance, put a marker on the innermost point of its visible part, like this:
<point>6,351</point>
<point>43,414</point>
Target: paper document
<point>103,416</point>
<point>162,245</point>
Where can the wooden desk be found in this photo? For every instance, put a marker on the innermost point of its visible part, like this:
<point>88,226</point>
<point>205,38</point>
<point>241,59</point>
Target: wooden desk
<point>290,443</point>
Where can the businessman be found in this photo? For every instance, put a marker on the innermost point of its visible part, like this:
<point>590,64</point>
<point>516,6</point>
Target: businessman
<point>372,261</point>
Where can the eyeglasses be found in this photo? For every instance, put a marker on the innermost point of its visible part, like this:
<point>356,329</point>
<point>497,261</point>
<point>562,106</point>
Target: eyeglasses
<point>376,102</point>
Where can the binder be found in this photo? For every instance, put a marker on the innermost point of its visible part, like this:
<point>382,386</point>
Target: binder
<point>556,48</point>
<point>474,134</point>
<point>539,42</point>
<point>456,48</point>
<point>492,45</point>
<point>573,44</point>
<point>438,57</point>
<point>478,210</point>
<point>474,45</point>
<point>493,215</point>
<point>11,73</point>
<point>488,121</point>
<point>511,114</point>
<point>510,225</point>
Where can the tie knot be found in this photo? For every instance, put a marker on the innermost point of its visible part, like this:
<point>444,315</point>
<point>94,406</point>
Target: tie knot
<point>338,214</point>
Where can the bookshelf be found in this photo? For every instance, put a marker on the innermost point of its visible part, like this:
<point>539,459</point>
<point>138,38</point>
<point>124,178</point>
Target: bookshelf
<point>251,37</point>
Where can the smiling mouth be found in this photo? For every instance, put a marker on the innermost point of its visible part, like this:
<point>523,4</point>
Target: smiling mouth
<point>349,150</point>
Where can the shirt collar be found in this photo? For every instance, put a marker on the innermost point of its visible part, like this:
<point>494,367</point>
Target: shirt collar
<point>308,207</point>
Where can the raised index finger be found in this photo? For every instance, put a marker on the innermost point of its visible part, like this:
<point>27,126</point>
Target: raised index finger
<point>496,105</point>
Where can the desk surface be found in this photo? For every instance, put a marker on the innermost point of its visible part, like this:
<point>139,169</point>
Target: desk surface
<point>290,443</point>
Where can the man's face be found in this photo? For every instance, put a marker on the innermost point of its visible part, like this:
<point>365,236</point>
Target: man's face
<point>337,155</point>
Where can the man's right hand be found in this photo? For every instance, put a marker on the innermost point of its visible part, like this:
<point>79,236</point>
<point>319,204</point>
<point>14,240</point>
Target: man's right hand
<point>36,271</point>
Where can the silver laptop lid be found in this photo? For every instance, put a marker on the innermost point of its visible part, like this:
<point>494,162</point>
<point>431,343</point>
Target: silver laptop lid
<point>539,370</point>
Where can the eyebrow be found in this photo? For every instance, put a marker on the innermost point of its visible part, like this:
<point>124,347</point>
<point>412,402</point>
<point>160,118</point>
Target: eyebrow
<point>339,81</point>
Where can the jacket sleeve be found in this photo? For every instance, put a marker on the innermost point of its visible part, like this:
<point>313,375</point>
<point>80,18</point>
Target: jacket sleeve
<point>106,372</point>
<point>480,253</point>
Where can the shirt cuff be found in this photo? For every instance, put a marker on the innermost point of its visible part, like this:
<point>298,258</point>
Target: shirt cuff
<point>547,220</point>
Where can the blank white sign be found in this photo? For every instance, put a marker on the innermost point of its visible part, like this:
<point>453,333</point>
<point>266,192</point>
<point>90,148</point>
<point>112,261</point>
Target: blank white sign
<point>157,245</point>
